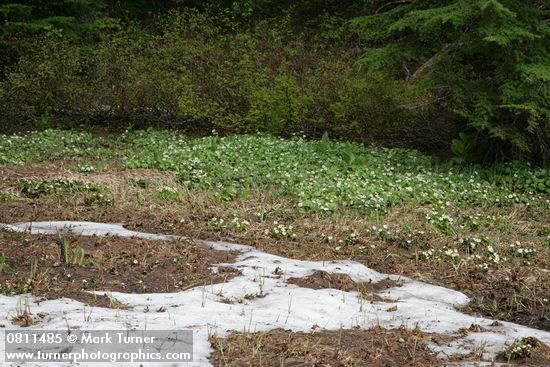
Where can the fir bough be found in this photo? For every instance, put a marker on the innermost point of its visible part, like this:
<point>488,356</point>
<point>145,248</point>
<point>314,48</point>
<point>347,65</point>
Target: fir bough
<point>489,58</point>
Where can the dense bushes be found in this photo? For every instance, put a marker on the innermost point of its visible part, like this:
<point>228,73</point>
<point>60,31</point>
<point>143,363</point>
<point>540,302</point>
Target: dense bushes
<point>196,75</point>
<point>470,76</point>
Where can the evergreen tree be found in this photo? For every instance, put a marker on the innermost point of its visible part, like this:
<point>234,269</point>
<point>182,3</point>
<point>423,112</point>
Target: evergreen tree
<point>490,59</point>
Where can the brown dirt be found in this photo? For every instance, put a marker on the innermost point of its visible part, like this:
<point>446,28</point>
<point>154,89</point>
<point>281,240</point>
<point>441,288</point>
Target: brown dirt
<point>519,294</point>
<point>374,347</point>
<point>24,319</point>
<point>516,295</point>
<point>34,263</point>
<point>10,174</point>
<point>321,280</point>
<point>517,290</point>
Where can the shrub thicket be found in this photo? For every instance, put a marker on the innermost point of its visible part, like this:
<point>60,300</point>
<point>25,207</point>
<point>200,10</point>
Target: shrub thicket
<point>197,75</point>
<point>470,76</point>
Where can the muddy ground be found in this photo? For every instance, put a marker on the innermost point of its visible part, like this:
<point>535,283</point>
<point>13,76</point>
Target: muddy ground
<point>38,264</point>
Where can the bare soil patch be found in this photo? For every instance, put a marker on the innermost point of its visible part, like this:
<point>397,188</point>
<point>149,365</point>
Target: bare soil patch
<point>521,294</point>
<point>35,263</point>
<point>374,347</point>
<point>323,280</point>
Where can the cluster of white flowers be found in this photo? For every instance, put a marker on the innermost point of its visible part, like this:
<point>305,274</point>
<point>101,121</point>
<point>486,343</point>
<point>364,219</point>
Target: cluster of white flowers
<point>282,231</point>
<point>383,228</point>
<point>451,254</point>
<point>471,244</point>
<point>430,254</point>
<point>441,221</point>
<point>85,168</point>
<point>382,232</point>
<point>518,350</point>
<point>352,238</point>
<point>215,223</point>
<point>98,198</point>
<point>328,239</point>
<point>169,189</point>
<point>514,197</point>
<point>484,259</point>
<point>240,225</point>
<point>477,221</point>
<point>474,221</point>
<point>447,254</point>
<point>493,256</point>
<point>520,251</point>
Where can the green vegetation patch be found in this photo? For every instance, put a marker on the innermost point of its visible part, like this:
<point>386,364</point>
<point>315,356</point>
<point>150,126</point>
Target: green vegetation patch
<point>34,189</point>
<point>49,144</point>
<point>325,176</point>
<point>6,196</point>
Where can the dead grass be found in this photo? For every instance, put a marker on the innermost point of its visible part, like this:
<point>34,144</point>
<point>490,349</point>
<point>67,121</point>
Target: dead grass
<point>323,280</point>
<point>374,347</point>
<point>517,289</point>
<point>36,263</point>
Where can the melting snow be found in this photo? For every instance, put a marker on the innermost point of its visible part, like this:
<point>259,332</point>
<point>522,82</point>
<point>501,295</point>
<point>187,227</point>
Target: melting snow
<point>222,308</point>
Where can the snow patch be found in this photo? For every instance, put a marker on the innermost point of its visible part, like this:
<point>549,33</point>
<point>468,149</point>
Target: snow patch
<point>260,300</point>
